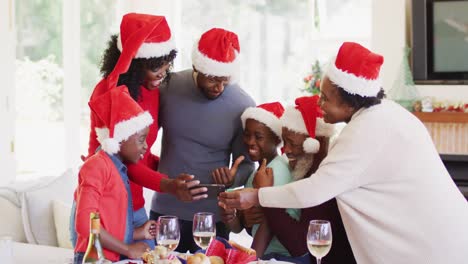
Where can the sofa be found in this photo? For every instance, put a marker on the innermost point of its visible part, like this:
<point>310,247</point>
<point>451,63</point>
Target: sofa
<point>37,212</point>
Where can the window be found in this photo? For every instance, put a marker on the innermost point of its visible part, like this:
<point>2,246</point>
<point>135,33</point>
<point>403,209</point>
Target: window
<point>279,44</point>
<point>43,125</point>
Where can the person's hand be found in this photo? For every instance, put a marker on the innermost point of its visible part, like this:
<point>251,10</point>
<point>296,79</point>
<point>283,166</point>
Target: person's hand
<point>228,215</point>
<point>147,231</point>
<point>136,250</point>
<point>240,199</point>
<point>263,177</point>
<point>183,187</point>
<point>253,216</point>
<point>226,176</point>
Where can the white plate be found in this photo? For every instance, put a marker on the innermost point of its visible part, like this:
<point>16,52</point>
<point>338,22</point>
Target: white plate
<point>126,261</point>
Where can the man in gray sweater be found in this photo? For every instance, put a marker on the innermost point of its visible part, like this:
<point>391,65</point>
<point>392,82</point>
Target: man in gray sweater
<point>200,113</point>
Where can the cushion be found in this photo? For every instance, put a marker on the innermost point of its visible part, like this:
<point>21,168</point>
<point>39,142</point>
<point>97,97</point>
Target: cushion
<point>11,223</point>
<point>37,208</point>
<point>62,213</point>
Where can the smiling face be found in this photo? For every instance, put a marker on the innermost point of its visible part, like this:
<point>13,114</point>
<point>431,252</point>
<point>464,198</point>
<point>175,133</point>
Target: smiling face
<point>154,77</point>
<point>211,86</point>
<point>134,148</point>
<point>260,140</point>
<point>292,146</point>
<point>332,105</point>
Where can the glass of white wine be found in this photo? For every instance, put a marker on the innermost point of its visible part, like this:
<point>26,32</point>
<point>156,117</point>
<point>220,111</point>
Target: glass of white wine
<point>204,229</point>
<point>168,234</point>
<point>319,238</point>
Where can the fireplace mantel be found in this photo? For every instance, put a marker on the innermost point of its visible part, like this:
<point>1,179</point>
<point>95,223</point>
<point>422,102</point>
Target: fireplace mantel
<point>442,117</point>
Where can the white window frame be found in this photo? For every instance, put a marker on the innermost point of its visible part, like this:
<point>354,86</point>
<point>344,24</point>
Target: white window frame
<point>7,91</point>
<point>72,87</point>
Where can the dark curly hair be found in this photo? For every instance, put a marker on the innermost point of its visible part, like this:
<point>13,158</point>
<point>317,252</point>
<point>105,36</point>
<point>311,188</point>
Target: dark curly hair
<point>357,101</point>
<point>134,77</point>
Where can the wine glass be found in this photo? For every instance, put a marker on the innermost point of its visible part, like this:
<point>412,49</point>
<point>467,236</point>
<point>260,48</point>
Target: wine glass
<point>319,238</point>
<point>168,234</point>
<point>204,229</point>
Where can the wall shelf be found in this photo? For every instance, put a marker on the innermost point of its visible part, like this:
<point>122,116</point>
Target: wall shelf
<point>442,117</point>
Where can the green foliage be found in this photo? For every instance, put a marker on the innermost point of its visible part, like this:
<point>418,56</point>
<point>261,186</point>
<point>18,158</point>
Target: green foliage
<point>312,80</point>
<point>96,23</point>
<point>39,40</point>
<point>39,29</point>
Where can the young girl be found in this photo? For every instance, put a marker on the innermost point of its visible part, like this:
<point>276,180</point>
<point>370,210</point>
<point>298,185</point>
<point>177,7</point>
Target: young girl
<point>103,184</point>
<point>262,136</point>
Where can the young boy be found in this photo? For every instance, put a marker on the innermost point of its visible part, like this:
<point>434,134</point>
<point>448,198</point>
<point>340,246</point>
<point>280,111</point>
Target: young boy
<point>262,136</point>
<point>103,184</point>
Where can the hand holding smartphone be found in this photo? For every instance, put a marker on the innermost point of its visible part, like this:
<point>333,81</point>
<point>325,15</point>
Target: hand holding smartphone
<point>213,189</point>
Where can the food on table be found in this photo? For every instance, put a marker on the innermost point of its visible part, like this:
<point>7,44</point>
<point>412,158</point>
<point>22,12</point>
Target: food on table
<point>198,258</point>
<point>216,260</point>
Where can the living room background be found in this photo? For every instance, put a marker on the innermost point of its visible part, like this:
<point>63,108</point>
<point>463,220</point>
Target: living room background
<point>58,45</point>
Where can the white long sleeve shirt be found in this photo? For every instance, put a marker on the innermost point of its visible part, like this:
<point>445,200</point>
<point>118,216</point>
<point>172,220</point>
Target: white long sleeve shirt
<point>397,201</point>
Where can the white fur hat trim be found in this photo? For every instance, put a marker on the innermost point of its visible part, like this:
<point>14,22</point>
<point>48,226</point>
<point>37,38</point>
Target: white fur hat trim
<point>352,83</point>
<point>216,68</point>
<point>151,50</point>
<point>293,120</point>
<point>263,116</point>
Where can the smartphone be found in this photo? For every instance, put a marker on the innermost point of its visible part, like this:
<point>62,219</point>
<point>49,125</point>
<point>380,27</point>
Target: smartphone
<point>213,189</point>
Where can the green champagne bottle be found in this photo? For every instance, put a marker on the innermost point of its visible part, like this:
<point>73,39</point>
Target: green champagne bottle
<point>94,252</point>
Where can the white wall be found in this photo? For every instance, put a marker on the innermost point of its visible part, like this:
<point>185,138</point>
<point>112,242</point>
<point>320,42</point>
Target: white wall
<point>390,33</point>
<point>7,75</point>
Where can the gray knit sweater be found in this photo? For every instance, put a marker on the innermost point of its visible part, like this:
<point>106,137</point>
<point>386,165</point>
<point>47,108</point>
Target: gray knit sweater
<point>199,135</point>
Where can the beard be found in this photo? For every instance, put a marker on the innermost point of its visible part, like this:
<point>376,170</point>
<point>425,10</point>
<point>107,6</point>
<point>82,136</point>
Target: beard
<point>303,165</point>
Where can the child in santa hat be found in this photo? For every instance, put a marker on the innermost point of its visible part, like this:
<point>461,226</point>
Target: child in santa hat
<point>262,136</point>
<point>103,184</point>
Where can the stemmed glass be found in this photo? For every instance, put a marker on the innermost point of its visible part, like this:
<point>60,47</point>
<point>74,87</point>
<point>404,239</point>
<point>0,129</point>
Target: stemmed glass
<point>319,238</point>
<point>168,234</point>
<point>204,229</point>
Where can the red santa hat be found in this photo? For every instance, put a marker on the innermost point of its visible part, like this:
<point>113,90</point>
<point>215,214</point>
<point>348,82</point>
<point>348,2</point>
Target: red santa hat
<point>121,115</point>
<point>141,36</point>
<point>356,70</point>
<point>268,114</point>
<point>217,53</point>
<point>307,118</point>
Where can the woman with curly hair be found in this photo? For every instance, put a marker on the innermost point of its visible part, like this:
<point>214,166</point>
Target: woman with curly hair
<point>140,57</point>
